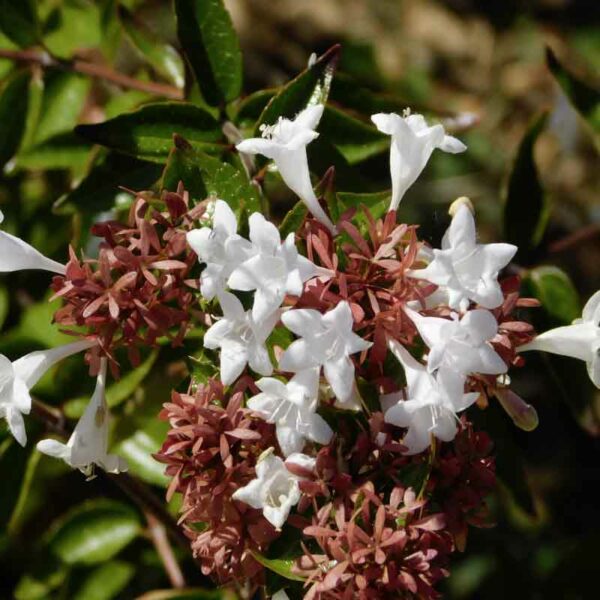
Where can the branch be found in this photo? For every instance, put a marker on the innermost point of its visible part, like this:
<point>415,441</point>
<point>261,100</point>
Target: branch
<point>138,492</point>
<point>44,59</point>
<point>161,543</point>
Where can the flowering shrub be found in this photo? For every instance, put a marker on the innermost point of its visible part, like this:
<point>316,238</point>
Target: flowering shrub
<point>324,444</point>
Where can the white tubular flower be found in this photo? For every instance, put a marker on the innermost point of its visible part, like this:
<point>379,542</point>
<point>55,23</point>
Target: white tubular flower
<point>431,404</point>
<point>17,255</point>
<point>280,595</point>
<point>17,378</point>
<point>88,444</point>
<point>241,339</point>
<point>292,407</point>
<point>221,248</point>
<point>326,340</point>
<point>412,145</point>
<point>464,269</point>
<point>580,340</point>
<point>274,270</point>
<point>461,345</point>
<point>275,490</point>
<point>285,143</point>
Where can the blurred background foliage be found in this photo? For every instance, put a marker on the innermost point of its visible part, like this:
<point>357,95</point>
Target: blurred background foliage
<point>525,72</point>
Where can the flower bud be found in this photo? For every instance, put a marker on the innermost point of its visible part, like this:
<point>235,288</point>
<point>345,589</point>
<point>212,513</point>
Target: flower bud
<point>524,415</point>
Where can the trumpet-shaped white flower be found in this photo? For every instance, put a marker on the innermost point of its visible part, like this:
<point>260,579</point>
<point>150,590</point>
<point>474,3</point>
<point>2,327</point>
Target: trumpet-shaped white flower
<point>220,247</point>
<point>18,377</point>
<point>580,340</point>
<point>431,404</point>
<point>274,270</point>
<point>326,340</point>
<point>464,269</point>
<point>292,407</point>
<point>412,145</point>
<point>88,444</point>
<point>285,143</point>
<point>275,490</point>
<point>460,344</point>
<point>241,339</point>
<point>17,255</point>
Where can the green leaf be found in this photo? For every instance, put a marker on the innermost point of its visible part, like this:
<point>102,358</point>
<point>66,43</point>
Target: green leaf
<point>163,58</point>
<point>93,532</point>
<point>100,188</point>
<point>310,87</point>
<point>250,108</point>
<point>62,151</point>
<point>17,514</point>
<point>34,110</point>
<point>106,582</point>
<point>356,141</point>
<point>139,448</point>
<point>526,207</point>
<point>280,566</point>
<point>211,46</point>
<point>39,582</point>
<point>555,290</point>
<point>63,101</point>
<point>4,305</point>
<point>293,219</point>
<point>376,202</point>
<point>19,22</point>
<point>13,461</point>
<point>13,112</point>
<point>208,176</point>
<point>585,98</point>
<point>147,133</point>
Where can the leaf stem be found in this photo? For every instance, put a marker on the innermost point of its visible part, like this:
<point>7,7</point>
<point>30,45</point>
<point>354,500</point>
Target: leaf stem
<point>76,65</point>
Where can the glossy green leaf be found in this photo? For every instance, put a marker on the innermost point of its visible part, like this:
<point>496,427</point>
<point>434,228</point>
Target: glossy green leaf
<point>526,207</point>
<point>211,46</point>
<point>147,133</point>
<point>208,176</point>
<point>280,566</point>
<point>376,202</point>
<point>41,580</point>
<point>356,140</point>
<point>35,96</point>
<point>16,517</point>
<point>19,21</point>
<point>139,448</point>
<point>555,290</point>
<point>64,97</point>
<point>106,582</point>
<point>293,219</point>
<point>93,532</point>
<point>163,58</point>
<point>584,97</point>
<point>99,189</point>
<point>251,107</point>
<point>63,151</point>
<point>13,112</point>
<point>310,87</point>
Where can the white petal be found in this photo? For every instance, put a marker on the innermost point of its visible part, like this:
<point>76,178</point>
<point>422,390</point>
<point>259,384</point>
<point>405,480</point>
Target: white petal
<point>304,322</point>
<point>320,431</point>
<point>445,427</point>
<point>591,311</point>
<point>224,220</point>
<point>216,333</point>
<point>17,255</point>
<point>258,359</point>
<point>289,439</point>
<point>309,118</point>
<point>266,302</point>
<point>302,460</point>
<point>15,422</point>
<point>31,367</point>
<point>55,449</point>
<point>576,341</point>
<point>202,242</point>
<point>481,326</point>
<point>452,145</point>
<point>462,230</point>
<point>262,146</point>
<point>232,307</point>
<point>305,383</point>
<point>234,357</point>
<point>263,234</point>
<point>340,375</point>
<point>299,355</point>
<point>250,494</point>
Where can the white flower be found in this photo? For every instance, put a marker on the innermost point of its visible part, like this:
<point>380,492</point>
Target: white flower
<point>285,143</point>
<point>461,345</point>
<point>275,270</point>
<point>221,248</point>
<point>241,339</point>
<point>275,489</point>
<point>412,145</point>
<point>580,340</point>
<point>292,407</point>
<point>465,269</point>
<point>17,255</point>
<point>88,444</point>
<point>431,402</point>
<point>17,378</point>
<point>327,340</point>
<point>281,595</point>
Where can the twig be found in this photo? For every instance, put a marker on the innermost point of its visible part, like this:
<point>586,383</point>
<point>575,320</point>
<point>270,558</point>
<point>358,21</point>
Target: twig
<point>76,65</point>
<point>574,239</point>
<point>161,543</point>
<point>139,493</point>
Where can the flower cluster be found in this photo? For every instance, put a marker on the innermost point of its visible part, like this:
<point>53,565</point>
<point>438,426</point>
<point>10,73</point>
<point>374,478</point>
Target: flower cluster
<point>348,355</point>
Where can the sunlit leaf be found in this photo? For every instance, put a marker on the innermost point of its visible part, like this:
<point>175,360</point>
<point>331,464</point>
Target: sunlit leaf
<point>105,582</point>
<point>211,46</point>
<point>93,532</point>
<point>281,566</point>
<point>555,290</point>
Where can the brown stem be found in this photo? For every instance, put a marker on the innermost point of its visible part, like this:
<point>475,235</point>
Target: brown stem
<point>139,493</point>
<point>160,540</point>
<point>574,239</point>
<point>94,70</point>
